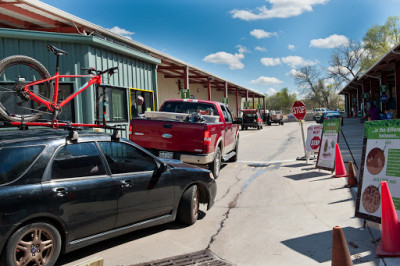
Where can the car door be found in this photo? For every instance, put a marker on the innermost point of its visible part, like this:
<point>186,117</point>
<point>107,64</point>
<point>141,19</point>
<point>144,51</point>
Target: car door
<point>145,192</point>
<point>79,191</point>
<point>230,130</point>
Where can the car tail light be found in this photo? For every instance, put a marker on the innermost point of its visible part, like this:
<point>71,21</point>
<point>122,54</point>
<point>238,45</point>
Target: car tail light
<point>207,138</point>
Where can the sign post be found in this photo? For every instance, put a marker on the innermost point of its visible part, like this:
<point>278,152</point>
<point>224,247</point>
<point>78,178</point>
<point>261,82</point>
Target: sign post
<point>299,112</point>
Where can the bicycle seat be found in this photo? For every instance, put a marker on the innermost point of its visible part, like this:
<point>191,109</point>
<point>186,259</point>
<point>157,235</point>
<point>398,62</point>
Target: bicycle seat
<point>56,50</point>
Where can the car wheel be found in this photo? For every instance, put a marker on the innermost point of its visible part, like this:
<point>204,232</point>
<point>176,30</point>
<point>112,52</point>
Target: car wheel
<point>234,158</point>
<point>36,244</point>
<point>189,206</point>
<point>215,166</point>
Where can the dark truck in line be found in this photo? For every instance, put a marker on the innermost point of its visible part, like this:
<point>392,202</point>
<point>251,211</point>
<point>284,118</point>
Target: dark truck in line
<point>193,131</point>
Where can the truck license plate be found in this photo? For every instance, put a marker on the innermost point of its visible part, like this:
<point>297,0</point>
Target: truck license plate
<point>166,154</point>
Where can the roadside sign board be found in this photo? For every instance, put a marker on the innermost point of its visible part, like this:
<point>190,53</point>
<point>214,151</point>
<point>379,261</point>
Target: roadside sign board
<point>380,162</point>
<point>314,133</point>
<point>185,93</point>
<point>330,136</point>
<point>299,110</point>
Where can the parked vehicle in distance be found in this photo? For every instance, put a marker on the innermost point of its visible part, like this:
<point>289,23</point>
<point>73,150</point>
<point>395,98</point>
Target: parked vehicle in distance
<point>275,117</point>
<point>251,118</point>
<point>330,115</point>
<point>193,131</point>
<point>318,112</point>
<point>61,193</point>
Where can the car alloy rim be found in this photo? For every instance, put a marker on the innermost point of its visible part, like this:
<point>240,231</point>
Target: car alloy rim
<point>35,246</point>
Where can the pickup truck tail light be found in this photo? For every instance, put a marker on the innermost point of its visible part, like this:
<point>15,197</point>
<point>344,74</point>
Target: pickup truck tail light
<point>130,132</point>
<point>207,138</point>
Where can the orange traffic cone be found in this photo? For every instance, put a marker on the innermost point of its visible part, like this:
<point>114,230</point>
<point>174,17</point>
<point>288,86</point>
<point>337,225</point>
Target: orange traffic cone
<point>340,169</point>
<point>340,251</point>
<point>390,245</point>
<point>352,176</point>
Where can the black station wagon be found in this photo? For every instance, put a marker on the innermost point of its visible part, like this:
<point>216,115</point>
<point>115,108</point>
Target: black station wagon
<point>60,192</point>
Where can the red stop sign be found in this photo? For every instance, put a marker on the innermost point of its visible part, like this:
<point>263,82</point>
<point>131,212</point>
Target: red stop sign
<point>315,142</point>
<point>299,110</point>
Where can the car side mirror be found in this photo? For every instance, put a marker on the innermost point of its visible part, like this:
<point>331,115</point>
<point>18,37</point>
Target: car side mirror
<point>162,167</point>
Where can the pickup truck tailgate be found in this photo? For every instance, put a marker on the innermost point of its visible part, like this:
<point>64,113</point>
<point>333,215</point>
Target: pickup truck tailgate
<point>168,135</point>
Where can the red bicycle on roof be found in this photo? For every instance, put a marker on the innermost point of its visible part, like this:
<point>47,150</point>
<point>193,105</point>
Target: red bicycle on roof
<point>28,91</point>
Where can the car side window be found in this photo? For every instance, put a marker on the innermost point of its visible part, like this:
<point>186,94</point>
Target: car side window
<point>77,160</point>
<point>14,161</point>
<point>125,158</point>
<point>227,114</point>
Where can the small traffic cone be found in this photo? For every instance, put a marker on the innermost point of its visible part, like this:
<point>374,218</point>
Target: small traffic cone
<point>340,251</point>
<point>340,169</point>
<point>390,243</point>
<point>352,176</point>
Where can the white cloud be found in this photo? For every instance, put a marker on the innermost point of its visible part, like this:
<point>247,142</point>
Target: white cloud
<point>267,61</point>
<point>332,41</point>
<point>232,60</point>
<point>266,81</point>
<point>294,73</point>
<point>295,61</point>
<point>122,32</point>
<point>242,49</point>
<point>260,48</point>
<point>271,91</point>
<point>261,34</point>
<point>291,47</point>
<point>339,69</point>
<point>279,9</point>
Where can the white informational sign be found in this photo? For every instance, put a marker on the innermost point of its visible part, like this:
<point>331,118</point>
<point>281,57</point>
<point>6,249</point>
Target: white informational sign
<point>330,136</point>
<point>314,134</point>
<point>381,162</point>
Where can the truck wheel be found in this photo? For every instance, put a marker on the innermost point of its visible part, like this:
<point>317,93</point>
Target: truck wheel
<point>33,243</point>
<point>215,166</point>
<point>189,206</point>
<point>234,158</point>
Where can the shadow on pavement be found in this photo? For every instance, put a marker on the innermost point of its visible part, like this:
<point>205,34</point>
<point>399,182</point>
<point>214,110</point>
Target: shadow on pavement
<point>319,246</point>
<point>307,175</point>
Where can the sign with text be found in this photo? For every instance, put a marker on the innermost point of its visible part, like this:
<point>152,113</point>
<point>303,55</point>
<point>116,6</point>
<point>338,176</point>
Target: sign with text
<point>330,136</point>
<point>225,100</point>
<point>314,133</point>
<point>299,110</point>
<point>185,93</point>
<point>380,162</point>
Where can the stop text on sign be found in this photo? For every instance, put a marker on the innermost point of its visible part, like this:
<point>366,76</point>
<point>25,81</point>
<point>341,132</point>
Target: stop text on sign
<point>299,109</point>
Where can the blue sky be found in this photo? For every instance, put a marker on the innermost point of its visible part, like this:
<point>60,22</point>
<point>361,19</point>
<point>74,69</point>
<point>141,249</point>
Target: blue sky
<point>253,43</point>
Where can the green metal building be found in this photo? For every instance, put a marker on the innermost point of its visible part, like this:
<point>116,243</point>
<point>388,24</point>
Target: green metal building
<point>137,71</point>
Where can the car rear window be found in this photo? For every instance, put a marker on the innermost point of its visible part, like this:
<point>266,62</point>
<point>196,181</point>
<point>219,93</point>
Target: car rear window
<point>14,161</point>
<point>189,107</point>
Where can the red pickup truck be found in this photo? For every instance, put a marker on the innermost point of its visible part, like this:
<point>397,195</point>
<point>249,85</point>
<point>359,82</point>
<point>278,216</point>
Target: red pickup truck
<point>193,131</point>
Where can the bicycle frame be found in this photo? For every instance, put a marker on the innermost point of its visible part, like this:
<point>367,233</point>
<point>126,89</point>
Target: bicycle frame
<point>54,105</point>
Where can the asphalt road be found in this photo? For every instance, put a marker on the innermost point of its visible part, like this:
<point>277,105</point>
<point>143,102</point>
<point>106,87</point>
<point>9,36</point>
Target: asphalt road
<point>270,210</point>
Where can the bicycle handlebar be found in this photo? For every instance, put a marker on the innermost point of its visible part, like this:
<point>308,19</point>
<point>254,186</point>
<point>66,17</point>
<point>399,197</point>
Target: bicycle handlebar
<point>93,71</point>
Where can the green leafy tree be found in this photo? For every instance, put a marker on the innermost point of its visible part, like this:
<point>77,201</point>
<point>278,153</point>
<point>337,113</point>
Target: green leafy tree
<point>282,100</point>
<point>379,39</point>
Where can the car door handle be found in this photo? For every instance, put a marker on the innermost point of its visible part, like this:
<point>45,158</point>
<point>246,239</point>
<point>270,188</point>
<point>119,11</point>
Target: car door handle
<point>127,183</point>
<point>60,191</point>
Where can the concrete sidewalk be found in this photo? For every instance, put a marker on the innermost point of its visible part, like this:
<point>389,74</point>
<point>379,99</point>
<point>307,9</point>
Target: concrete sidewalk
<point>351,147</point>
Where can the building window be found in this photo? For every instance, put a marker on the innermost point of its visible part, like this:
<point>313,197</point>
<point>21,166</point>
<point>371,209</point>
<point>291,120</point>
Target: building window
<point>148,104</point>
<point>116,107</point>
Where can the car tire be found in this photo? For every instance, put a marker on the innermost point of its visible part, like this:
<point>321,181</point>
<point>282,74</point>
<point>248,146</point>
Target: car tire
<point>234,158</point>
<point>215,166</point>
<point>46,247</point>
<point>189,206</point>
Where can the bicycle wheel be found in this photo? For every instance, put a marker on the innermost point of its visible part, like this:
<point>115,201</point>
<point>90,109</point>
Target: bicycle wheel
<point>15,72</point>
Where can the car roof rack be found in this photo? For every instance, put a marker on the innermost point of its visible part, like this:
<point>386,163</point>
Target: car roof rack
<point>73,128</point>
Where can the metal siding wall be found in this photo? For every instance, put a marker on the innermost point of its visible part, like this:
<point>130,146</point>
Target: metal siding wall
<point>132,73</point>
